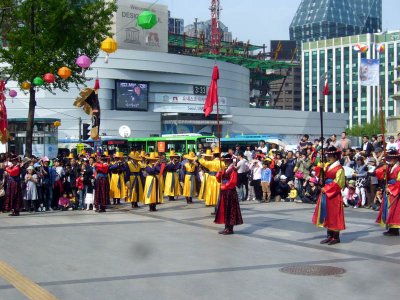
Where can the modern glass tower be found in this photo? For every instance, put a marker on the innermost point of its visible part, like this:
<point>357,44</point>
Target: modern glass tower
<point>326,19</point>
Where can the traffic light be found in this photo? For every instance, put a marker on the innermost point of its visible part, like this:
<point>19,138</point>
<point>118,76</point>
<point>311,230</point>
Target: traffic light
<point>85,131</point>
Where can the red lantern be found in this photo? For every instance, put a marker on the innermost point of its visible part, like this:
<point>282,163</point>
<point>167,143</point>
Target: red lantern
<point>49,78</point>
<point>64,72</point>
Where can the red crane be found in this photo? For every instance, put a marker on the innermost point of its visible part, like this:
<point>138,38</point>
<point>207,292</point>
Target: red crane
<point>215,28</point>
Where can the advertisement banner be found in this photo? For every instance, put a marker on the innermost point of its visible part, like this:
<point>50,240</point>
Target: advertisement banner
<point>185,99</point>
<point>132,37</point>
<point>369,72</point>
<point>187,108</point>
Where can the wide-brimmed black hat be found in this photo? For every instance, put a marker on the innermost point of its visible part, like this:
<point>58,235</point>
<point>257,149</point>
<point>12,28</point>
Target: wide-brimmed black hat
<point>332,151</point>
<point>392,154</point>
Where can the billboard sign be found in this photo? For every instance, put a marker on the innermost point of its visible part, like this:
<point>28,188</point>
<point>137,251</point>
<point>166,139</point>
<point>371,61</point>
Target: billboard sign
<point>185,99</point>
<point>132,37</point>
<point>369,72</point>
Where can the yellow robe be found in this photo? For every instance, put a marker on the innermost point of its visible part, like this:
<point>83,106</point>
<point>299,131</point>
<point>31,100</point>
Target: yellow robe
<point>135,190</point>
<point>213,187</point>
<point>170,189</point>
<point>117,186</point>
<point>152,189</point>
<point>189,186</point>
<point>203,187</point>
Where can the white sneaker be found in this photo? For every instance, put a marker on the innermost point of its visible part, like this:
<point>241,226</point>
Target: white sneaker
<point>70,208</point>
<point>87,208</point>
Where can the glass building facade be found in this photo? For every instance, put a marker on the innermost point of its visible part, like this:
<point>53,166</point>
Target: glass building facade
<point>346,95</point>
<point>326,19</point>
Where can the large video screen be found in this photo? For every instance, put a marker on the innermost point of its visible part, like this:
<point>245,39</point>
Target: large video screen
<point>131,95</point>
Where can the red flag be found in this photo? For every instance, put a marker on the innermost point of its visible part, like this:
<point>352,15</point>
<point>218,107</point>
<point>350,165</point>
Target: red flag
<point>326,88</point>
<point>212,96</point>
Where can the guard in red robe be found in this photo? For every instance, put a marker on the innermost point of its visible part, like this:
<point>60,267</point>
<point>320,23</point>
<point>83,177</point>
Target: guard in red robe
<point>389,213</point>
<point>329,212</point>
<point>14,189</point>
<point>102,185</point>
<point>228,209</point>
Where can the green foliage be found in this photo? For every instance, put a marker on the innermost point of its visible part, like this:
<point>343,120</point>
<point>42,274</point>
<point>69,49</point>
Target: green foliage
<point>44,35</point>
<point>375,127</point>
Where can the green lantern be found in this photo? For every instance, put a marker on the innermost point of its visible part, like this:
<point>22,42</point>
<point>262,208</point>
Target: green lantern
<point>38,81</point>
<point>147,19</point>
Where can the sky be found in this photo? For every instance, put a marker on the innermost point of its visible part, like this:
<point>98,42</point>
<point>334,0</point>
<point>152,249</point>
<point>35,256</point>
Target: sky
<point>260,20</point>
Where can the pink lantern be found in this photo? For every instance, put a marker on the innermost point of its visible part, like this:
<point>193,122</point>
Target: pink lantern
<point>83,61</point>
<point>12,93</point>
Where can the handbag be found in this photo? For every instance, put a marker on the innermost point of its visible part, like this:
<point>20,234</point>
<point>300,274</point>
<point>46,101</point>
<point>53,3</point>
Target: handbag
<point>299,175</point>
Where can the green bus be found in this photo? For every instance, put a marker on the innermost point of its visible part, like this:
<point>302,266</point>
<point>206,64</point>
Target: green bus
<point>181,143</point>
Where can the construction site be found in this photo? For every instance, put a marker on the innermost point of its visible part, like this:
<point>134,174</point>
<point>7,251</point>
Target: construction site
<point>275,72</point>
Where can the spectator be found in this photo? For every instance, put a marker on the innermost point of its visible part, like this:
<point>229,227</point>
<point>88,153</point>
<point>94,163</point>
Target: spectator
<point>379,142</point>
<point>304,143</point>
<point>64,202</point>
<point>350,196</point>
<point>367,147</point>
<point>249,153</point>
<point>266,178</point>
<point>345,143</point>
<point>302,171</point>
<point>282,189</point>
<point>256,168</point>
<point>288,166</point>
<point>392,144</point>
<point>334,142</point>
<point>293,191</point>
<point>242,169</point>
<point>263,147</point>
<point>31,195</point>
<point>312,191</point>
<point>372,182</point>
<point>377,200</point>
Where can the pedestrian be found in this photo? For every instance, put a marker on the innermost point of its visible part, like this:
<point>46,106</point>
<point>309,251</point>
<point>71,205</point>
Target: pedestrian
<point>89,198</point>
<point>228,208</point>
<point>329,212</point>
<point>256,168</point>
<point>266,178</point>
<point>102,185</point>
<point>242,168</point>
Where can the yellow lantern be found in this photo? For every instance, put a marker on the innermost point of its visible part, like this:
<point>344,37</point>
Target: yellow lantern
<point>109,45</point>
<point>25,85</point>
<point>57,124</point>
<point>64,72</point>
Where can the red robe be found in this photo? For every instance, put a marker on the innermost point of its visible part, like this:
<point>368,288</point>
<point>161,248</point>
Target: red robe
<point>334,212</point>
<point>389,213</point>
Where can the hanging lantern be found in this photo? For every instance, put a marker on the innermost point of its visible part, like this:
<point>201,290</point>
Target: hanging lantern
<point>64,72</point>
<point>12,93</point>
<point>361,48</point>
<point>38,81</point>
<point>49,78</point>
<point>380,48</point>
<point>109,46</point>
<point>57,124</point>
<point>147,19</point>
<point>84,62</point>
<point>25,85</point>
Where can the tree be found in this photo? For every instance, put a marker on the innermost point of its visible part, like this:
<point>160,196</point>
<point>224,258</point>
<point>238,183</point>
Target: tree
<point>373,128</point>
<point>44,35</point>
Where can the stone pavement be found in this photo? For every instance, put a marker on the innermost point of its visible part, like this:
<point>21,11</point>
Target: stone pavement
<point>176,253</point>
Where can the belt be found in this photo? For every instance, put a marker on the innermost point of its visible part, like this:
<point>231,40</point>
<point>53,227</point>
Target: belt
<point>190,173</point>
<point>212,173</point>
<point>135,173</point>
<point>101,175</point>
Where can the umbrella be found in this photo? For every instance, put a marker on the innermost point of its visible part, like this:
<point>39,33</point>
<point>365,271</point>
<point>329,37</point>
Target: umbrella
<point>276,142</point>
<point>348,172</point>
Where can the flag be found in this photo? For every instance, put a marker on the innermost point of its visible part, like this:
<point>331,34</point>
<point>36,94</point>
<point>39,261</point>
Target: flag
<point>212,96</point>
<point>4,134</point>
<point>326,88</point>
<point>89,101</point>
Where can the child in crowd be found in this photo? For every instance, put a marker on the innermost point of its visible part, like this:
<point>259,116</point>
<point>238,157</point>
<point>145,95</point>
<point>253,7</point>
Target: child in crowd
<point>377,200</point>
<point>293,191</point>
<point>64,202</point>
<point>72,200</point>
<point>350,197</point>
<point>80,188</point>
<point>89,198</point>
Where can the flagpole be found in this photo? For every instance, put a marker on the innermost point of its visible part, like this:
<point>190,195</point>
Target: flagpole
<point>322,79</point>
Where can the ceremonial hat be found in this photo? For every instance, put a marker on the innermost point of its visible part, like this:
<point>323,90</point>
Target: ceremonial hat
<point>227,157</point>
<point>119,155</point>
<point>71,155</point>
<point>392,154</point>
<point>173,154</point>
<point>208,153</point>
<point>190,156</point>
<point>152,155</point>
<point>135,156</point>
<point>83,152</point>
<point>332,151</point>
<point>217,150</point>
<point>143,153</point>
<point>105,153</point>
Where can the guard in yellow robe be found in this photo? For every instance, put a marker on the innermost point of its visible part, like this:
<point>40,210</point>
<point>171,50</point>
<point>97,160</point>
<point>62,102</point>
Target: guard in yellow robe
<point>117,179</point>
<point>208,156</point>
<point>213,186</point>
<point>189,184</point>
<point>172,187</point>
<point>151,194</point>
<point>133,179</point>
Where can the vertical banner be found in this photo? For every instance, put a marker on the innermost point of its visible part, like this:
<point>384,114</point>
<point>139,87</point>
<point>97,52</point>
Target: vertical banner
<point>369,72</point>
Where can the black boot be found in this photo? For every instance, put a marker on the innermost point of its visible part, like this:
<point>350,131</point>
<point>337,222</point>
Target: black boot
<point>171,198</point>
<point>229,230</point>
<point>392,232</point>
<point>329,236</point>
<point>222,231</point>
<point>114,201</point>
<point>187,200</point>
<point>335,238</point>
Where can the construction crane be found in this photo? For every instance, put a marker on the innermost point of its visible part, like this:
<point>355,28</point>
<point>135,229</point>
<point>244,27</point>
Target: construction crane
<point>215,27</point>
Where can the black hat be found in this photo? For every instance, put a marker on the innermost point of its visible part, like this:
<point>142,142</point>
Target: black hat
<point>227,157</point>
<point>392,154</point>
<point>332,151</point>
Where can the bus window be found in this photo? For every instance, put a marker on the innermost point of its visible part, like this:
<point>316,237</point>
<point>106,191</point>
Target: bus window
<point>191,146</point>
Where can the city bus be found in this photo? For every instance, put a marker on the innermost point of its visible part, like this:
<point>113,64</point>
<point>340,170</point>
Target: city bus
<point>181,143</point>
<point>249,140</point>
<point>104,143</point>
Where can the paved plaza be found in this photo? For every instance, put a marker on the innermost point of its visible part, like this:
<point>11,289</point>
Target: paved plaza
<point>176,253</point>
